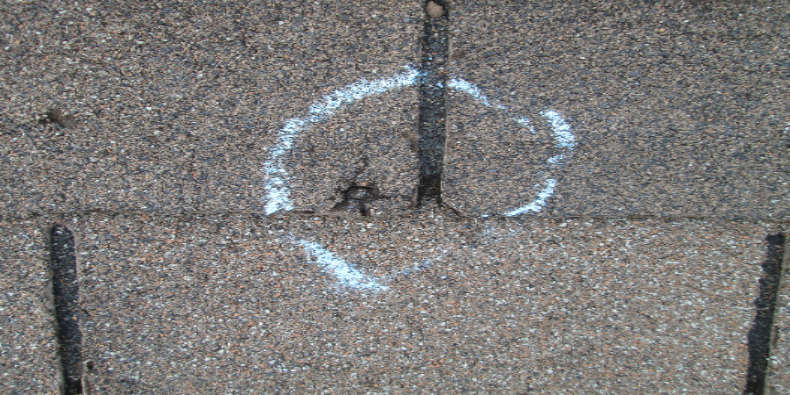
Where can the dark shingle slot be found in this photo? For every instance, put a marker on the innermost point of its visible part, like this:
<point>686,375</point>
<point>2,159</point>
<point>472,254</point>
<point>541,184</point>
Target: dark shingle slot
<point>63,261</point>
<point>759,338</point>
<point>432,126</point>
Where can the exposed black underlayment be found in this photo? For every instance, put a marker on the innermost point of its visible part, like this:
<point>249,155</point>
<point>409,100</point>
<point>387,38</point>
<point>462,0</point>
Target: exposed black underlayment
<point>432,125</point>
<point>760,335</point>
<point>63,261</point>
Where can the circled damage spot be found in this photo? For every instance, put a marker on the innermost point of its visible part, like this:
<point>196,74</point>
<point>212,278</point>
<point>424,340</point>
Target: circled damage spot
<point>279,180</point>
<point>278,183</point>
<point>355,201</point>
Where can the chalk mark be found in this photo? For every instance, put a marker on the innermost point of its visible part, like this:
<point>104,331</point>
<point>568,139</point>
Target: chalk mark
<point>277,191</point>
<point>563,137</point>
<point>348,275</point>
<point>278,195</point>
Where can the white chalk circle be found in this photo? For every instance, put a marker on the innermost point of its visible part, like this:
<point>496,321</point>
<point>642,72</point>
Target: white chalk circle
<point>278,194</point>
<point>346,273</point>
<point>562,134</point>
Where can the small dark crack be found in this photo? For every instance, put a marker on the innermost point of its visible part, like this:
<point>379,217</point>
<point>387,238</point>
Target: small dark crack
<point>58,117</point>
<point>355,200</point>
